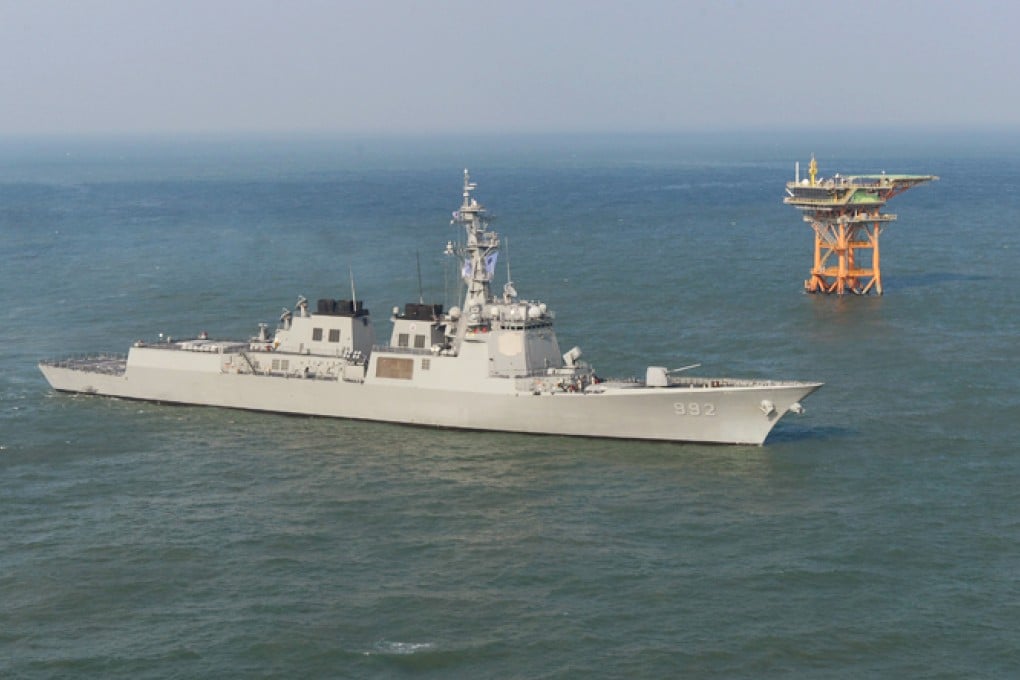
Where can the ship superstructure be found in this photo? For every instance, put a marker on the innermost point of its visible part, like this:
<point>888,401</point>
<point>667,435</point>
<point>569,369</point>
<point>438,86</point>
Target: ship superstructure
<point>493,364</point>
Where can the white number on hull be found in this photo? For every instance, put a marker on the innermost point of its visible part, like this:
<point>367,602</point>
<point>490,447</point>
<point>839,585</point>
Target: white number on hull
<point>693,408</point>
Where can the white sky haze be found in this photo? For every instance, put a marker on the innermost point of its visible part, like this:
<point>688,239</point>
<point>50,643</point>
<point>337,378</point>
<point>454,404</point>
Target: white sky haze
<point>94,66</point>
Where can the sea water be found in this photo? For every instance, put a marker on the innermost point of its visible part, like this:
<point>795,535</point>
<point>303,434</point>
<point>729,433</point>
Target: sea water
<point>877,535</point>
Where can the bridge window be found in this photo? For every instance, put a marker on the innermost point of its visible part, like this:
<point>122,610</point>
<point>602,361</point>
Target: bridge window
<point>402,339</point>
<point>316,335</point>
<point>419,341</point>
<point>334,335</point>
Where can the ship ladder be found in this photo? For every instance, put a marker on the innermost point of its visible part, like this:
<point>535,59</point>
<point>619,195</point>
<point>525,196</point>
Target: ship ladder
<point>247,360</point>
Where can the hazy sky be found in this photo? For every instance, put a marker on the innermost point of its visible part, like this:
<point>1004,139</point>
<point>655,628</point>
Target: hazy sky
<point>515,65</point>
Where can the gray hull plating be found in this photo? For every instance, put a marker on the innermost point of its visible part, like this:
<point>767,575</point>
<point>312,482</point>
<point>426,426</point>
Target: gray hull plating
<point>730,415</point>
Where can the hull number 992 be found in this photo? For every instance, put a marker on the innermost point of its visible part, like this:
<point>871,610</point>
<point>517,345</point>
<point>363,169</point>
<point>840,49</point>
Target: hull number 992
<point>693,408</point>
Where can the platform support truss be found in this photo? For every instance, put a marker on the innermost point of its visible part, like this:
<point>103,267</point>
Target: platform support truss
<point>846,256</point>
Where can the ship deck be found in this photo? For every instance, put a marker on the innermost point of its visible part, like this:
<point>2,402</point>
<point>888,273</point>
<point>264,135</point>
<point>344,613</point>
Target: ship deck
<point>107,364</point>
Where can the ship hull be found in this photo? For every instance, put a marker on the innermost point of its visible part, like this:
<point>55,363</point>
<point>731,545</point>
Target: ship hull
<point>737,412</point>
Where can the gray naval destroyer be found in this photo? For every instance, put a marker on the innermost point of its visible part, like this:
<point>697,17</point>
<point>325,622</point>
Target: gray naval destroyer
<point>493,364</point>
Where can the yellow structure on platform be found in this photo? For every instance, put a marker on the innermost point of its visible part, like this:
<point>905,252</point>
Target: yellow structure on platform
<point>847,218</point>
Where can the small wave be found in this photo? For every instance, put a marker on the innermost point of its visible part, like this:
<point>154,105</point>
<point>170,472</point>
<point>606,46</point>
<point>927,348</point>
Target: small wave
<point>400,648</point>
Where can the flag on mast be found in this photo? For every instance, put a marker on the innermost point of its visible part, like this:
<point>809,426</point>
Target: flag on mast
<point>490,263</point>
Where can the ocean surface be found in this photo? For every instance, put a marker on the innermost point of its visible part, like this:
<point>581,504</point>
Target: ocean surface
<point>876,535</point>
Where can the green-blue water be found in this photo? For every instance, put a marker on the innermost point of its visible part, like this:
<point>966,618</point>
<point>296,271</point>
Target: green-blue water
<point>875,536</point>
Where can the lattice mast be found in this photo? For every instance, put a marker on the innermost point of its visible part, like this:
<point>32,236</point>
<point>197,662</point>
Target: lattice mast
<point>846,216</point>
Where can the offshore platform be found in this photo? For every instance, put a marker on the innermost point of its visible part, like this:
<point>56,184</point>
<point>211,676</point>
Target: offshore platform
<point>847,218</point>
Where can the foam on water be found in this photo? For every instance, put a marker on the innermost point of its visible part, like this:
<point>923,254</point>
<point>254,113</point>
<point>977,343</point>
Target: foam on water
<point>401,648</point>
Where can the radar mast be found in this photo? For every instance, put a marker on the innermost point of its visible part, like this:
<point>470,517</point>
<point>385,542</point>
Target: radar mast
<point>478,255</point>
